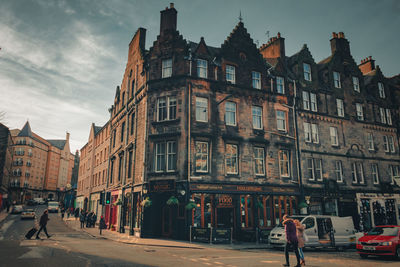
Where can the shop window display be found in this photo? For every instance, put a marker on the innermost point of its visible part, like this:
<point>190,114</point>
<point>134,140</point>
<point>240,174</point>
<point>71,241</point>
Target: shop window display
<point>246,211</point>
<point>365,211</point>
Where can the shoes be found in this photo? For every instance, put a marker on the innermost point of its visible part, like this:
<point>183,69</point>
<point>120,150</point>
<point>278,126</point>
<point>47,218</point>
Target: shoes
<point>286,265</point>
<point>48,236</point>
<point>37,237</point>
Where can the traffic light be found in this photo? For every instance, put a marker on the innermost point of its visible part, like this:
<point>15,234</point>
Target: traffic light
<point>108,198</point>
<point>101,198</point>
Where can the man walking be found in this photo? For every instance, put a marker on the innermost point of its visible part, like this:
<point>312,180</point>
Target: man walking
<point>291,240</point>
<point>43,222</point>
<point>82,218</point>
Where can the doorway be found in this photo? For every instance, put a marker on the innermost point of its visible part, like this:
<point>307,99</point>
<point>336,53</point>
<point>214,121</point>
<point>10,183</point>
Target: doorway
<point>225,218</point>
<point>166,221</point>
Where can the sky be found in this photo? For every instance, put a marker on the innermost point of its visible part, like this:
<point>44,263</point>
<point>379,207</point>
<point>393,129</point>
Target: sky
<point>60,61</point>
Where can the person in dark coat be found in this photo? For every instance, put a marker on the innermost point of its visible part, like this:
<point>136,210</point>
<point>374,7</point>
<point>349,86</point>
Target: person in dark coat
<point>62,213</point>
<point>89,220</point>
<point>82,218</point>
<point>43,222</point>
<point>94,219</point>
<point>76,214</point>
<point>291,240</point>
<point>102,224</point>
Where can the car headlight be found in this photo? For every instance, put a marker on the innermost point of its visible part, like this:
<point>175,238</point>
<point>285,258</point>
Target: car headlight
<point>387,243</point>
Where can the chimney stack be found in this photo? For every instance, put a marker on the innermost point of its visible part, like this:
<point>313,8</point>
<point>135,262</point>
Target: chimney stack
<point>168,19</point>
<point>367,65</point>
<point>275,48</point>
<point>339,43</point>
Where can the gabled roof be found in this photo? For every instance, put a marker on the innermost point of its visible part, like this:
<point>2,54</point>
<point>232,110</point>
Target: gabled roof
<point>214,51</point>
<point>58,143</point>
<point>26,131</point>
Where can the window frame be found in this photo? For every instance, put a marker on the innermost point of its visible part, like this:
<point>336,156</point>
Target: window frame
<point>307,72</point>
<point>286,161</point>
<point>340,107</point>
<point>201,100</point>
<point>169,154</point>
<point>307,132</point>
<point>315,133</point>
<point>202,68</point>
<point>230,73</point>
<point>167,107</point>
<point>336,80</point>
<point>280,86</point>
<point>231,111</point>
<point>160,154</point>
<point>279,118</point>
<point>394,169</point>
<point>257,158</point>
<point>257,117</point>
<point>381,90</point>
<point>382,114</point>
<point>201,155</point>
<point>313,104</point>
<point>375,173</point>
<point>391,144</point>
<point>386,143</point>
<point>389,117</point>
<point>166,68</point>
<point>338,163</point>
<point>306,100</point>
<point>356,84</point>
<point>359,112</point>
<point>233,159</point>
<point>333,130</point>
<point>256,81</point>
<point>370,140</point>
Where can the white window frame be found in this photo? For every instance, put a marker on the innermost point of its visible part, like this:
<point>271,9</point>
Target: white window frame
<point>375,173</point>
<point>201,109</point>
<point>169,154</point>
<point>158,166</point>
<point>310,169</point>
<point>201,154</point>
<point>280,85</point>
<point>334,136</point>
<point>284,161</point>
<point>370,139</point>
<point>202,68</point>
<point>359,111</point>
<point>356,84</point>
<point>336,80</point>
<point>391,144</point>
<point>357,172</point>
<point>318,169</point>
<point>257,112</point>
<point>313,102</point>
<point>389,117</point>
<point>256,79</point>
<point>230,75</point>
<point>166,68</point>
<point>340,107</point>
<point>307,72</point>
<point>314,133</point>
<point>381,90</point>
<point>339,171</point>
<point>386,143</point>
<point>280,118</point>
<point>169,100</point>
<point>230,108</point>
<point>306,100</point>
<point>259,156</point>
<point>233,157</point>
<point>394,172</point>
<point>307,132</point>
<point>382,115</point>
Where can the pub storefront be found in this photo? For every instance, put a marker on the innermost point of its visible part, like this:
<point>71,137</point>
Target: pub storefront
<point>228,212</point>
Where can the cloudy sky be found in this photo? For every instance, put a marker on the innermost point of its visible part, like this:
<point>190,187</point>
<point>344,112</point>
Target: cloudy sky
<point>60,61</point>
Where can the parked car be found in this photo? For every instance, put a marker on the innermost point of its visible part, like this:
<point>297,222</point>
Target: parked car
<point>381,240</point>
<point>52,206</point>
<point>30,202</point>
<point>28,214</point>
<point>321,230</point>
<point>39,200</point>
<point>17,209</point>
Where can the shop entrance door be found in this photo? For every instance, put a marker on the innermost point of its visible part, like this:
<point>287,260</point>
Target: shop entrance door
<point>166,221</point>
<point>225,218</point>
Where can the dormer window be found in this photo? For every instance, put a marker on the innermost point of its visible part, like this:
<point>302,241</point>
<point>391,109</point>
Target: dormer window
<point>356,84</point>
<point>307,71</point>
<point>381,90</point>
<point>167,68</point>
<point>201,68</point>
<point>336,80</point>
<point>280,85</point>
<point>230,74</point>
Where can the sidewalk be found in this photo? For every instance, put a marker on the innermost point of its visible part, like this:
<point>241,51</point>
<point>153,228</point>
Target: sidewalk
<point>3,215</point>
<point>126,238</point>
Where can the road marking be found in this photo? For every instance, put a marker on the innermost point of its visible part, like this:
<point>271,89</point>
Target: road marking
<point>194,260</point>
<point>4,228</point>
<point>207,263</point>
<point>219,263</point>
<point>34,253</point>
<point>270,261</point>
<point>204,259</point>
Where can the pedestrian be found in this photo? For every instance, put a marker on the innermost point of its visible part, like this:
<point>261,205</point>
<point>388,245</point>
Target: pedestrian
<point>291,240</point>
<point>42,223</point>
<point>76,213</point>
<point>94,219</point>
<point>88,220</point>
<point>8,206</point>
<point>102,224</point>
<point>301,238</point>
<point>82,218</point>
<point>62,213</point>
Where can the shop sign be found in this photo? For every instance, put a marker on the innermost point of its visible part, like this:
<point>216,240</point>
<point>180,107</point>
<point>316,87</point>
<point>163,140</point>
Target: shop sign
<point>376,195</point>
<point>162,186</point>
<point>201,234</point>
<point>225,201</point>
<point>222,235</point>
<point>241,188</point>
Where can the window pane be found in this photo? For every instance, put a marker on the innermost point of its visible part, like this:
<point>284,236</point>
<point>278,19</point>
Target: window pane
<point>172,108</point>
<point>202,68</point>
<point>313,100</point>
<point>171,152</point>
<point>201,109</point>
<point>280,85</point>
<point>306,101</point>
<point>259,165</point>
<point>256,78</point>
<point>230,74</point>
<point>307,71</point>
<point>231,159</point>
<point>230,113</point>
<point>281,120</point>
<point>257,117</point>
<point>162,109</point>
<point>166,68</point>
<point>284,163</point>
<point>201,157</point>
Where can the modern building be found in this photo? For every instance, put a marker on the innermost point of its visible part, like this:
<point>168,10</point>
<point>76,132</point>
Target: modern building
<point>41,168</point>
<point>5,164</point>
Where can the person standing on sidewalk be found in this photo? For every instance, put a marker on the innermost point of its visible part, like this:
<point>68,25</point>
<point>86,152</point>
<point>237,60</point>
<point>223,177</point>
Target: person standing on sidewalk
<point>102,224</point>
<point>82,218</point>
<point>301,240</point>
<point>42,223</point>
<point>291,240</point>
<point>62,213</point>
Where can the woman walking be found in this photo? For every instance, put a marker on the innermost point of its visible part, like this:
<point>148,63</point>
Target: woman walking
<point>301,239</point>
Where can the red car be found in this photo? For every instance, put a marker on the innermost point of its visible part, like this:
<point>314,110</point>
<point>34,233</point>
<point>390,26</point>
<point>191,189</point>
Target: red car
<point>382,240</point>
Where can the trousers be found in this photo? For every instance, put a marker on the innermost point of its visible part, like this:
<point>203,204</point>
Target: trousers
<point>295,247</point>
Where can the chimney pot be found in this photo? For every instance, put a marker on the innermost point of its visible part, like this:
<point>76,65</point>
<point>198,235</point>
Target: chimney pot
<point>333,34</point>
<point>370,58</point>
<point>279,35</point>
<point>171,5</point>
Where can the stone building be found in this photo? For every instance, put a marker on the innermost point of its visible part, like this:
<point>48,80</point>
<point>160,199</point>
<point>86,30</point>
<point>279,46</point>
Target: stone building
<point>41,168</point>
<point>5,164</point>
<point>93,166</point>
<point>347,136</point>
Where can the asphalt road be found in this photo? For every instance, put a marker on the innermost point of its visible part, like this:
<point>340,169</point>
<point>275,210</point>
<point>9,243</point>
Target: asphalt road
<point>69,248</point>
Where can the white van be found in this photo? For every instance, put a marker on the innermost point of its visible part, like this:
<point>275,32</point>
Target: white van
<point>321,230</point>
<point>52,206</point>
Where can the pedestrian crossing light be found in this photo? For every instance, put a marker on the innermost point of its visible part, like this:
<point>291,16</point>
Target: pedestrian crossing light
<point>108,198</point>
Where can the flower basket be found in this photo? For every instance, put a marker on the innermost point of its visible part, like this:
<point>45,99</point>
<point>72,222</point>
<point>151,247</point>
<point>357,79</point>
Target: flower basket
<point>119,202</point>
<point>146,202</point>
<point>191,205</point>
<point>172,201</point>
<point>303,205</point>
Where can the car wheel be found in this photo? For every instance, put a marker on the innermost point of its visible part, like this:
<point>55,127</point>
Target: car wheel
<point>363,256</point>
<point>397,253</point>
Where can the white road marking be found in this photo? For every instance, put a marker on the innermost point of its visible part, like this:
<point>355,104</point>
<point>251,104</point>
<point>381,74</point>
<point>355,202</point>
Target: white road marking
<point>207,263</point>
<point>4,228</point>
<point>34,253</point>
<point>217,262</point>
<point>270,261</point>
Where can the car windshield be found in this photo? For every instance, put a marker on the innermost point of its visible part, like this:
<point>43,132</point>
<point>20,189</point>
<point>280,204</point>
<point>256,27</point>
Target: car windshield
<point>28,211</point>
<point>385,231</point>
<point>293,218</point>
<point>53,204</point>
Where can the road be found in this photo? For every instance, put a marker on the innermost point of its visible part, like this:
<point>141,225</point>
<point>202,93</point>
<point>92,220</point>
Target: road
<point>69,248</point>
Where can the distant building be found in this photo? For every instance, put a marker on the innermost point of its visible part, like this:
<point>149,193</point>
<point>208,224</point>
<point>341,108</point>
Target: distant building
<point>41,168</point>
<point>5,164</point>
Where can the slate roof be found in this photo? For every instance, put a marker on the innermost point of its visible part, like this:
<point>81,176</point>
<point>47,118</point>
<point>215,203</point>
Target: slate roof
<point>26,131</point>
<point>214,51</point>
<point>58,143</point>
<point>97,129</point>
